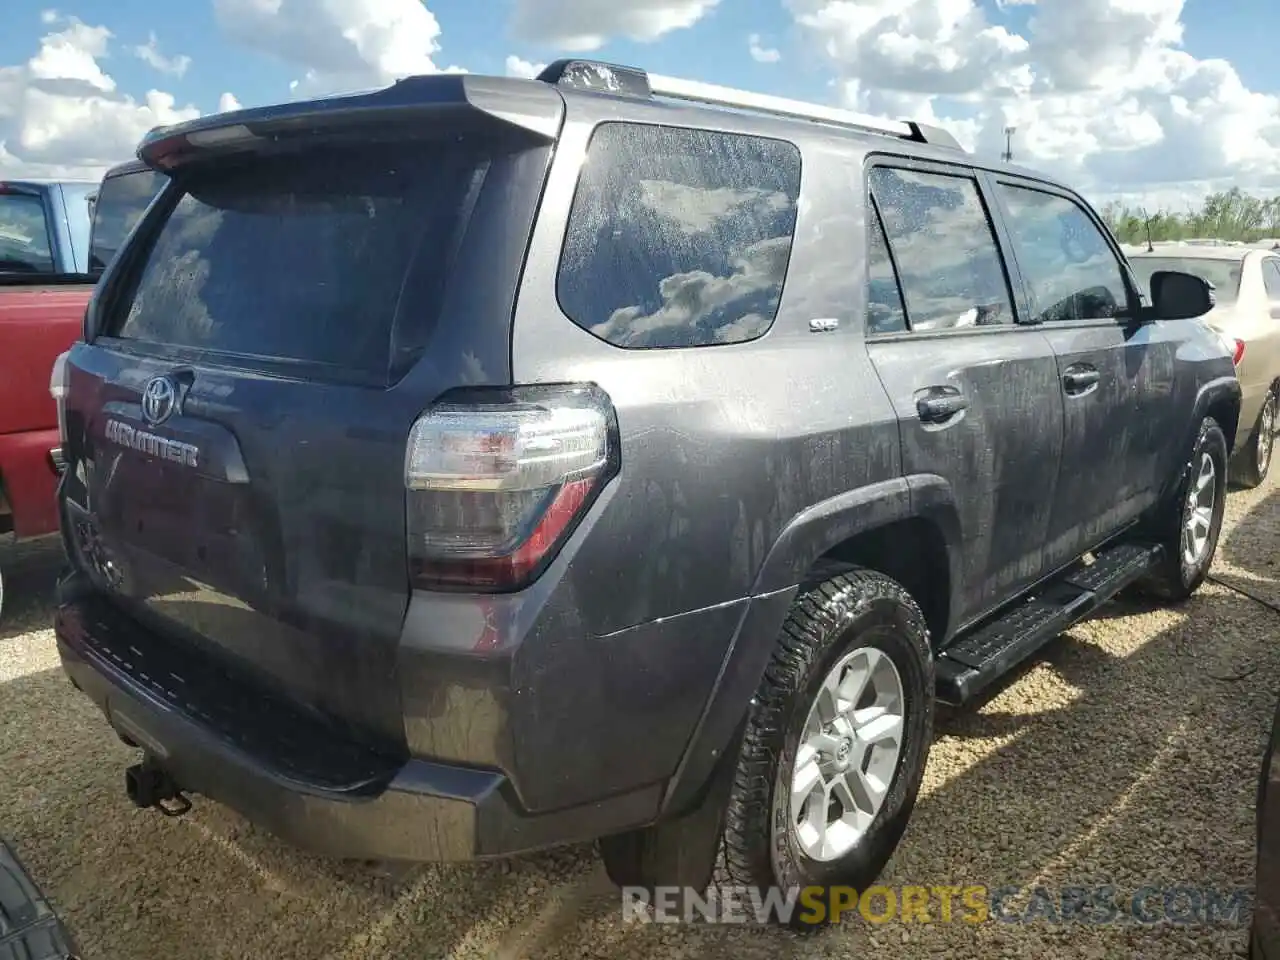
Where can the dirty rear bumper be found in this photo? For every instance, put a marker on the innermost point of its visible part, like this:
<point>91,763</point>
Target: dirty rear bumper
<point>393,809</point>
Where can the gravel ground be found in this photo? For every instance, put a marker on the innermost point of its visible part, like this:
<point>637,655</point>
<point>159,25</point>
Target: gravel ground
<point>1127,754</point>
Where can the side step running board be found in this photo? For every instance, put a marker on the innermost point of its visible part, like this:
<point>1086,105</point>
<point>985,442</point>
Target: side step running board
<point>976,659</point>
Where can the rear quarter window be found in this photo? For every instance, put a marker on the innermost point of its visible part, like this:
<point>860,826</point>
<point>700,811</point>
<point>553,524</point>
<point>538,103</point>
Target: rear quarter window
<point>678,237</point>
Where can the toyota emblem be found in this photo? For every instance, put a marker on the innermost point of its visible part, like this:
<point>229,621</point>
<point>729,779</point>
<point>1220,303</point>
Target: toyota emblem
<point>159,397</point>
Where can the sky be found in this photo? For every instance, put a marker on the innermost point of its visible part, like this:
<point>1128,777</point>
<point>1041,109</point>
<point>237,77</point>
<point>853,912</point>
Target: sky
<point>1156,102</point>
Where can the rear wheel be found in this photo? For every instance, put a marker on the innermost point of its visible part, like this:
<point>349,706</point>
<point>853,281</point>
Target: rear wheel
<point>830,759</point>
<point>836,741</point>
<point>1189,526</point>
<point>1253,462</point>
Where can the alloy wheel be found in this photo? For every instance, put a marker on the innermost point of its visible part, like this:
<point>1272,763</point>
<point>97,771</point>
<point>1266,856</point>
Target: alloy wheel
<point>1267,433</point>
<point>1198,511</point>
<point>848,754</point>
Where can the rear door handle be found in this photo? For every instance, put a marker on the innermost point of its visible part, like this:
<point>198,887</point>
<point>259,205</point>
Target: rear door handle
<point>1080,378</point>
<point>937,404</point>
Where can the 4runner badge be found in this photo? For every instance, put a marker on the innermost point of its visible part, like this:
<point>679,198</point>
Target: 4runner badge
<point>153,445</point>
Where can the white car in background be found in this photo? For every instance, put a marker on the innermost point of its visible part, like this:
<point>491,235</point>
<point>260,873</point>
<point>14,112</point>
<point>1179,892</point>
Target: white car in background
<point>1246,283</point>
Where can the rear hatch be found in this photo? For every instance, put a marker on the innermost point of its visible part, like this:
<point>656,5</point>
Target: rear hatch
<point>259,350</point>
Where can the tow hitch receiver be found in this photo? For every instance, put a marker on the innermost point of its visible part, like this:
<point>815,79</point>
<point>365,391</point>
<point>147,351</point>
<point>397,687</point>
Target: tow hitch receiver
<point>149,785</point>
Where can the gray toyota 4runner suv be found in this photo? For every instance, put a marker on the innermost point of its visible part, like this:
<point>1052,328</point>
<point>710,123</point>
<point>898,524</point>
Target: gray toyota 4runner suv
<point>480,464</point>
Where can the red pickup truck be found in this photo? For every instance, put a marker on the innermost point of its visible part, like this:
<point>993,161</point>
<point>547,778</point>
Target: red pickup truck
<point>56,237</point>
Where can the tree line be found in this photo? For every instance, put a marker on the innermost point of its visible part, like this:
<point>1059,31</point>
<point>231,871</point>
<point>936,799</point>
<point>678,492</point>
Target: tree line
<point>1229,215</point>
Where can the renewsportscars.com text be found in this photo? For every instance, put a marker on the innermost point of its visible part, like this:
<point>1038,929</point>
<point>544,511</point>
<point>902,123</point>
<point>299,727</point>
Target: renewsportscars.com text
<point>972,904</point>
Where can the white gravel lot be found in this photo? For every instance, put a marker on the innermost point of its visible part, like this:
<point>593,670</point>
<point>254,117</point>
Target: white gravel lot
<point>1127,754</point>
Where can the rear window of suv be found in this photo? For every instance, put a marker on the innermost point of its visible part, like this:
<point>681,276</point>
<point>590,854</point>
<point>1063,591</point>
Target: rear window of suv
<point>679,237</point>
<point>304,258</point>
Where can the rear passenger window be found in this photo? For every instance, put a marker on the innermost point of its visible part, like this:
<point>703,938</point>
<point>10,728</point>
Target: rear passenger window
<point>1271,278</point>
<point>884,299</point>
<point>948,263</point>
<point>679,238</point>
<point>1071,270</point>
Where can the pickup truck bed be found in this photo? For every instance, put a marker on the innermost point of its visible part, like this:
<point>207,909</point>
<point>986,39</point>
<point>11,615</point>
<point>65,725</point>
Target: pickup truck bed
<point>56,237</point>
<point>39,318</point>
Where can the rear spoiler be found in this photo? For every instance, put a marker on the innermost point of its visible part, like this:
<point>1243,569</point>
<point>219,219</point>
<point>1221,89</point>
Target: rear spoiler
<point>535,108</point>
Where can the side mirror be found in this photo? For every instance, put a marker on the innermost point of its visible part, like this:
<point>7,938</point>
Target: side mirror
<point>1179,296</point>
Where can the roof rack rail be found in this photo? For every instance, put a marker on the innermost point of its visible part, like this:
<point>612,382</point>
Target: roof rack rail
<point>632,81</point>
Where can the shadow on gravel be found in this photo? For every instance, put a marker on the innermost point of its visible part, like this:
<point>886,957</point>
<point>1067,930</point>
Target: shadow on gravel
<point>1249,557</point>
<point>1126,754</point>
<point>30,570</point>
<point>1251,547</point>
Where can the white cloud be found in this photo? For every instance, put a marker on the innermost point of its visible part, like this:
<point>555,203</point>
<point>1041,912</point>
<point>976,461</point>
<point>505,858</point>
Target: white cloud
<point>690,299</point>
<point>581,26</point>
<point>149,53</point>
<point>342,45</point>
<point>1100,91</point>
<point>71,53</point>
<point>228,102</point>
<point>760,53</point>
<point>60,112</point>
<point>697,209</point>
<point>915,46</point>
<point>517,67</point>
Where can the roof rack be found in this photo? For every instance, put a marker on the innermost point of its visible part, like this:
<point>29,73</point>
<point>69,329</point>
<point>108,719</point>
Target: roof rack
<point>603,77</point>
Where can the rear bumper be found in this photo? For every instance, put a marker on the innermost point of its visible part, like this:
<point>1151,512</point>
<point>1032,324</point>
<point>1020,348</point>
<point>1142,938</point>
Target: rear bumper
<point>426,812</point>
<point>402,810</point>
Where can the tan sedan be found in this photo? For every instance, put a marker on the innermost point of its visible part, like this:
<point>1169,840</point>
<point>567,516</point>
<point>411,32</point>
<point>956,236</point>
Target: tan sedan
<point>1246,283</point>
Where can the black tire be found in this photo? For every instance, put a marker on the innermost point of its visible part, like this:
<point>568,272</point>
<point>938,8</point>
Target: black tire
<point>1252,463</point>
<point>1176,578</point>
<point>860,608</point>
<point>728,840</point>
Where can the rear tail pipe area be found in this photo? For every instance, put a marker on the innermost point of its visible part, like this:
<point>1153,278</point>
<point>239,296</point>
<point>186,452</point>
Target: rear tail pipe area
<point>150,785</point>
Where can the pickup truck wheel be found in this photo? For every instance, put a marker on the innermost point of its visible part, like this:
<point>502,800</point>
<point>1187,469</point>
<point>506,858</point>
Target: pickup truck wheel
<point>1190,524</point>
<point>835,742</point>
<point>1252,463</point>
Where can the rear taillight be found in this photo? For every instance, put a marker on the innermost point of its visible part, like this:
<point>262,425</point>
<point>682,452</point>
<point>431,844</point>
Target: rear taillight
<point>496,481</point>
<point>59,383</point>
<point>1237,353</point>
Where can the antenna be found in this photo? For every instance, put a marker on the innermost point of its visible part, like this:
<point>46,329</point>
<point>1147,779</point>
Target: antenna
<point>1007,156</point>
